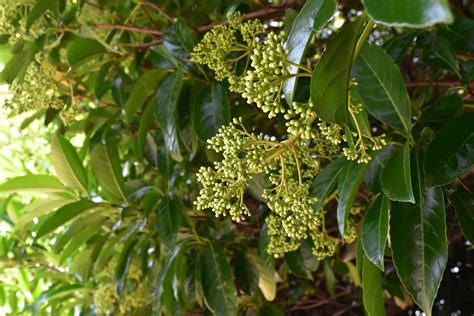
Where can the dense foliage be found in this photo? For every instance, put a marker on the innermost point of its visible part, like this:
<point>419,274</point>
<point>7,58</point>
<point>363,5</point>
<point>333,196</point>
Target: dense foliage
<point>237,157</point>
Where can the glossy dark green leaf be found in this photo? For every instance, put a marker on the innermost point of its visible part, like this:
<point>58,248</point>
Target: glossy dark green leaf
<point>63,215</point>
<point>167,220</point>
<point>409,13</point>
<point>464,205</point>
<point>460,34</point>
<point>83,49</point>
<point>451,152</point>
<point>124,261</point>
<point>105,162</point>
<point>217,282</point>
<point>167,98</point>
<point>178,40</point>
<point>349,182</point>
<point>40,8</point>
<point>211,111</point>
<point>442,55</point>
<point>375,230</point>
<point>419,243</point>
<point>263,241</point>
<point>101,85</point>
<point>398,46</point>
<point>312,17</point>
<point>381,87</point>
<point>33,183</point>
<point>330,80</point>
<point>372,176</point>
<point>16,67</point>
<point>396,176</point>
<point>443,109</point>
<point>325,180</point>
<point>146,120</point>
<point>67,163</point>
<point>246,272</point>
<point>372,289</point>
<point>145,86</point>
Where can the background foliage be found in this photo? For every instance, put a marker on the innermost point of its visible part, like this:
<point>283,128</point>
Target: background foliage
<point>104,129</point>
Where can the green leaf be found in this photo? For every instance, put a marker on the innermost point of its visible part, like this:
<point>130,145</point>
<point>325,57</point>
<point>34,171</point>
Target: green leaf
<point>167,220</point>
<point>442,55</point>
<point>37,209</point>
<point>460,34</point>
<point>350,180</point>
<point>83,49</point>
<point>266,279</point>
<point>63,215</point>
<point>312,17</point>
<point>372,176</point>
<point>123,263</point>
<point>419,243</point>
<point>167,98</point>
<point>409,13</point>
<point>245,271</point>
<point>330,279</point>
<point>218,283</point>
<point>145,86</point>
<point>451,152</point>
<point>67,163</point>
<point>372,289</point>
<point>375,230</point>
<point>33,183</point>
<point>39,9</point>
<point>143,128</point>
<point>396,176</point>
<point>211,111</point>
<point>381,87</point>
<point>178,40</point>
<point>398,46</point>
<point>330,80</point>
<point>17,66</point>
<point>464,205</point>
<point>101,85</point>
<point>325,180</point>
<point>105,162</point>
<point>443,109</point>
<point>302,262</point>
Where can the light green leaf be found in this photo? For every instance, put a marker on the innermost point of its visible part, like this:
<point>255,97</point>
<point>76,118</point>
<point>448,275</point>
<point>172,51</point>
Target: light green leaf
<point>63,215</point>
<point>105,162</point>
<point>33,183</point>
<point>312,17</point>
<point>381,87</point>
<point>375,230</point>
<point>83,49</point>
<point>330,80</point>
<point>37,209</point>
<point>67,163</point>
<point>40,8</point>
<point>266,279</point>
<point>372,289</point>
<point>409,13</point>
<point>419,242</point>
<point>16,67</point>
<point>396,177</point>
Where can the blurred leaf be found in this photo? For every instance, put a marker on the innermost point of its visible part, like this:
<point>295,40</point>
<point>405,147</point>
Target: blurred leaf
<point>460,34</point>
<point>409,13</point>
<point>312,17</point>
<point>266,278</point>
<point>349,182</point>
<point>123,263</point>
<point>451,152</point>
<point>396,176</point>
<point>167,220</point>
<point>211,111</point>
<point>443,109</point>
<point>145,86</point>
<point>381,88</point>
<point>419,243</point>
<point>37,209</point>
<point>143,128</point>
<point>105,162</point>
<point>67,163</point>
<point>441,54</point>
<point>40,8</point>
<point>464,205</point>
<point>101,84</point>
<point>375,230</point>
<point>218,283</point>
<point>63,215</point>
<point>16,67</point>
<point>372,289</point>
<point>302,261</point>
<point>167,98</point>
<point>330,80</point>
<point>83,49</point>
<point>33,183</point>
<point>330,279</point>
<point>398,46</point>
<point>178,40</point>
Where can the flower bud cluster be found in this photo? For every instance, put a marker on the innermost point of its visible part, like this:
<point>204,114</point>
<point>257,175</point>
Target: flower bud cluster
<point>263,83</point>
<point>221,50</point>
<point>299,118</point>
